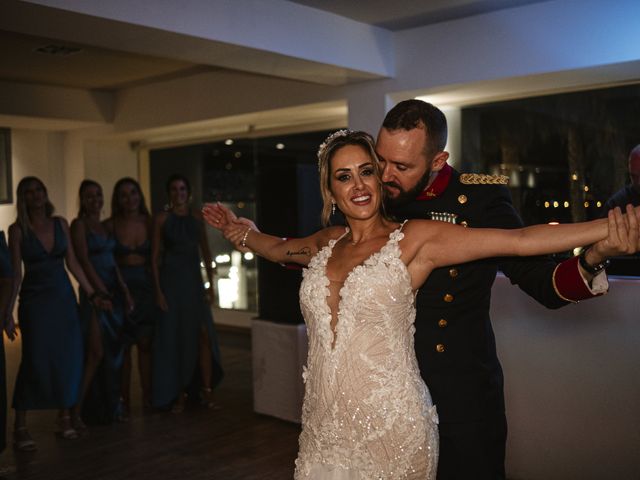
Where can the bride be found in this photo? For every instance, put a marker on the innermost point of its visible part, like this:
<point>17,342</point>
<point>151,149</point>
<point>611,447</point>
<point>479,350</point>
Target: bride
<point>367,412</point>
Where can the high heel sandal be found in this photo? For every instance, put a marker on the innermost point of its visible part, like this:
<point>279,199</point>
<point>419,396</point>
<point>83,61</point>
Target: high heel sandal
<point>122,415</point>
<point>178,405</point>
<point>66,429</point>
<point>79,426</point>
<point>206,399</point>
<point>22,440</point>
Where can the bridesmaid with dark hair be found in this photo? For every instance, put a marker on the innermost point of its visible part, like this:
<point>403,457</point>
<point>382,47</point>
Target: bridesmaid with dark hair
<point>6,280</point>
<point>102,329</point>
<point>186,357</point>
<point>130,226</point>
<point>50,372</point>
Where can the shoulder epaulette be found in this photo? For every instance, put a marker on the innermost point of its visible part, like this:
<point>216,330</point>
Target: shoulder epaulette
<point>483,179</point>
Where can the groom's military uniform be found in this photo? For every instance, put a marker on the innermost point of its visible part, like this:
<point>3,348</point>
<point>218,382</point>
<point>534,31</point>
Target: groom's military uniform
<point>454,339</point>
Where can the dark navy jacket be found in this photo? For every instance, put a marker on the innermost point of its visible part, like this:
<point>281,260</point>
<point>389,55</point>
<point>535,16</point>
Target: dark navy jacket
<point>454,339</point>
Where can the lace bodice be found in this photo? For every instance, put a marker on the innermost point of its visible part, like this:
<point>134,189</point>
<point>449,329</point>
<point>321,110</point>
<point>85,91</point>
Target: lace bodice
<point>367,414</point>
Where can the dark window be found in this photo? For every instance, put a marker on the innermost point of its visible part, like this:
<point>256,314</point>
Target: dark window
<point>272,180</point>
<point>564,154</point>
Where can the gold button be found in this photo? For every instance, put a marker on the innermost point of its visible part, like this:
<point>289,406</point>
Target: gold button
<point>453,272</point>
<point>462,199</point>
<point>439,348</point>
<point>464,223</point>
<point>442,323</point>
<point>448,298</point>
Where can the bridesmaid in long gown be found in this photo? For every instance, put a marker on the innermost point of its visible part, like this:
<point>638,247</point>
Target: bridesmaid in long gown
<point>50,372</point>
<point>102,330</point>
<point>367,413</point>
<point>130,226</point>
<point>185,353</point>
<point>6,276</point>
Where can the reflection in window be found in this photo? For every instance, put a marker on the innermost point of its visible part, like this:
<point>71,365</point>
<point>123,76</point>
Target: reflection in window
<point>564,154</point>
<point>277,174</point>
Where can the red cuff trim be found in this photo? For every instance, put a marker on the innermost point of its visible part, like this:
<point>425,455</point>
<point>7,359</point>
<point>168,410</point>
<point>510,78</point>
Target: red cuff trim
<point>569,284</point>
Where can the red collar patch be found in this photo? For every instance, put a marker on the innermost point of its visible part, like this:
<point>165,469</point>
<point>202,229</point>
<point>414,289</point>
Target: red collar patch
<point>439,185</point>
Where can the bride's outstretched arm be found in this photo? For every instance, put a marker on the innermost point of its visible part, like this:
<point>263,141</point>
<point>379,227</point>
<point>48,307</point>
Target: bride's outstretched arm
<point>436,244</point>
<point>244,235</point>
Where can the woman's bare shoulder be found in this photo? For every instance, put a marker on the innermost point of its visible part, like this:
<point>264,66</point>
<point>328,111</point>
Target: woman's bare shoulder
<point>108,224</point>
<point>415,226</point>
<point>160,217</point>
<point>15,229</point>
<point>77,225</point>
<point>420,231</point>
<point>330,233</point>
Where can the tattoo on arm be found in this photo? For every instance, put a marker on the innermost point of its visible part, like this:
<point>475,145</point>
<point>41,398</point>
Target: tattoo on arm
<point>303,251</point>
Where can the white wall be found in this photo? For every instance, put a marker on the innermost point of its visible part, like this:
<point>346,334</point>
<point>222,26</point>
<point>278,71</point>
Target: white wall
<point>62,161</point>
<point>106,162</point>
<point>572,384</point>
<point>41,154</point>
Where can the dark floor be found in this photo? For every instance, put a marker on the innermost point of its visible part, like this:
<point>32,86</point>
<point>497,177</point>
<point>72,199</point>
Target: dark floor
<point>232,443</point>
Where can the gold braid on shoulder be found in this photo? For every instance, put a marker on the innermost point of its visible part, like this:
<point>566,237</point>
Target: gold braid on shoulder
<point>483,179</point>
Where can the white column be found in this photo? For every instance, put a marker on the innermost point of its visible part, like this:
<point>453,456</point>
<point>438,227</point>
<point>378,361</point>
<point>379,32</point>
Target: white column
<point>367,110</point>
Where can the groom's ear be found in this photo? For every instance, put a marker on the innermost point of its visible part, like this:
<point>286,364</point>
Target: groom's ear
<point>439,161</point>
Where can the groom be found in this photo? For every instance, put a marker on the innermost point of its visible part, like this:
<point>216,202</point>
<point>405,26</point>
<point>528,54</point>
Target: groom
<point>454,340</point>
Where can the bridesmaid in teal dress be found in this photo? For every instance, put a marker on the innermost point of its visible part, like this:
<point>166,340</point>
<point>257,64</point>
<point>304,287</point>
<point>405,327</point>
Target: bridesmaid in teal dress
<point>102,329</point>
<point>6,275</point>
<point>130,226</point>
<point>186,357</point>
<point>51,368</point>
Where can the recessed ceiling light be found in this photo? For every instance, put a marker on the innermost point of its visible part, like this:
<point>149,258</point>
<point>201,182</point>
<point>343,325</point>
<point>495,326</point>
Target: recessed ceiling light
<point>58,50</point>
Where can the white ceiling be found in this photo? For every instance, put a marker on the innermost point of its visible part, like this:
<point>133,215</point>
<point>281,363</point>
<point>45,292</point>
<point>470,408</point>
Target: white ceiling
<point>96,67</point>
<point>90,67</point>
<point>403,14</point>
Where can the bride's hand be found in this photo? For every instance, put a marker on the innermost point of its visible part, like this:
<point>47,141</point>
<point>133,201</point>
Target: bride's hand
<point>232,227</point>
<point>245,224</point>
<point>236,232</point>
<point>217,215</point>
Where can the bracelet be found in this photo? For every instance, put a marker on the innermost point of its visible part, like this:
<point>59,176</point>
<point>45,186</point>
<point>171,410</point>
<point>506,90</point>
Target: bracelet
<point>244,237</point>
<point>99,294</point>
<point>592,269</point>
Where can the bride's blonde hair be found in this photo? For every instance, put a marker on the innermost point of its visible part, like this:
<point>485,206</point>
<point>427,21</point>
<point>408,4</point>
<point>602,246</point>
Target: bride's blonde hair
<point>328,148</point>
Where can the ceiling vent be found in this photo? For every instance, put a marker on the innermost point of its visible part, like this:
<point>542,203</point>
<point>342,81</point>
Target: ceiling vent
<point>58,50</point>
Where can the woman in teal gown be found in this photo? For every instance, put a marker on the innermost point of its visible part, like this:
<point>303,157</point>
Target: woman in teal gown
<point>6,275</point>
<point>130,226</point>
<point>50,372</point>
<point>186,357</point>
<point>102,329</point>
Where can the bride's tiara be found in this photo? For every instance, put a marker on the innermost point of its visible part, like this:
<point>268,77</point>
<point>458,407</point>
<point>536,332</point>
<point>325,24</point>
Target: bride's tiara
<point>328,140</point>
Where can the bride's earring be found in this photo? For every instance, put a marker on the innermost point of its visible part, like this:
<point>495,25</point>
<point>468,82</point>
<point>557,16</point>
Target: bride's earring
<point>333,208</point>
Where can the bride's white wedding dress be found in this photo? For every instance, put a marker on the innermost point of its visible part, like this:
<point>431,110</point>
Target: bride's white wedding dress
<point>367,414</point>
